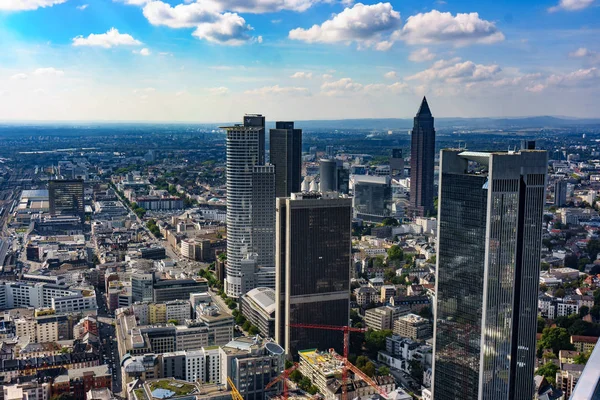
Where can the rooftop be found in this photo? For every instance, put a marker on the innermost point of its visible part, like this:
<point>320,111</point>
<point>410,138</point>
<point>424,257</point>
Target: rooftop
<point>264,297</point>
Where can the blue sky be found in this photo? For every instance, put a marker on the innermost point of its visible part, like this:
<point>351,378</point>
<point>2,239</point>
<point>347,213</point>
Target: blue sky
<point>213,60</point>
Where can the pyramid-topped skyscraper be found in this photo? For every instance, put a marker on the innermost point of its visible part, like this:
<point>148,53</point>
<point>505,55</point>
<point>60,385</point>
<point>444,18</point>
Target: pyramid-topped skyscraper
<point>422,156</point>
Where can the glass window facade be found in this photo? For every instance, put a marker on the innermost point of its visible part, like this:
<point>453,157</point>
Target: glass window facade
<point>66,198</point>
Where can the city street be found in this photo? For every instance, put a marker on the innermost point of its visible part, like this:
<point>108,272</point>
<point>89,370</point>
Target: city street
<point>110,351</point>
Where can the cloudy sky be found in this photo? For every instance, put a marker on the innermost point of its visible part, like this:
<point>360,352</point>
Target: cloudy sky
<point>213,60</point>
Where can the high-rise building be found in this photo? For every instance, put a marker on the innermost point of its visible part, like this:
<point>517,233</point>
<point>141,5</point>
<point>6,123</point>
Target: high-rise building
<point>66,197</point>
<point>257,121</point>
<point>313,259</point>
<point>489,246</point>
<point>142,286</point>
<point>286,156</point>
<point>263,214</point>
<point>328,171</point>
<point>422,159</point>
<point>560,193</point>
<point>372,197</point>
<point>250,207</point>
<point>397,163</point>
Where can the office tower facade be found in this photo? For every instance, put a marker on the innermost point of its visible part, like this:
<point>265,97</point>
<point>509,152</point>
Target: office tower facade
<point>422,159</point>
<point>489,246</point>
<point>66,197</point>
<point>257,121</point>
<point>263,214</point>
<point>312,269</point>
<point>397,163</point>
<point>328,171</point>
<point>243,153</point>
<point>286,155</point>
<point>372,197</point>
<point>560,193</point>
<point>142,286</point>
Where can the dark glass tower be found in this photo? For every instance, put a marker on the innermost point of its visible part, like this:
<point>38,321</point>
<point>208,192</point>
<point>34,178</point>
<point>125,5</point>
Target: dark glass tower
<point>257,121</point>
<point>313,254</point>
<point>422,156</point>
<point>66,198</point>
<point>489,246</point>
<point>286,156</point>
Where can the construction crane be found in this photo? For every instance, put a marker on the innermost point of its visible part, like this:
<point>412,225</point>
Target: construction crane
<point>235,394</point>
<point>358,372</point>
<point>285,375</point>
<point>346,330</point>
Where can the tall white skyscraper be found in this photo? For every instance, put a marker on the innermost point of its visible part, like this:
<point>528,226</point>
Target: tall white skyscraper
<point>250,207</point>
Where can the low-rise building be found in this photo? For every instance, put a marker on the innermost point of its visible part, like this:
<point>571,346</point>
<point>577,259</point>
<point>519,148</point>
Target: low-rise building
<point>78,382</point>
<point>27,391</point>
<point>584,343</point>
<point>365,295</point>
<point>567,378</point>
<point>413,326</point>
<point>258,306</point>
<point>381,318</point>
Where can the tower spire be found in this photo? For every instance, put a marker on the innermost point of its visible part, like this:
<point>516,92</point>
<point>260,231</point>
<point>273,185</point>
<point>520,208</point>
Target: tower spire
<point>424,110</point>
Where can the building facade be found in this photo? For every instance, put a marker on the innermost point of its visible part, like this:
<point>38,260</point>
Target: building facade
<point>286,155</point>
<point>66,198</point>
<point>422,159</point>
<point>312,269</point>
<point>489,246</point>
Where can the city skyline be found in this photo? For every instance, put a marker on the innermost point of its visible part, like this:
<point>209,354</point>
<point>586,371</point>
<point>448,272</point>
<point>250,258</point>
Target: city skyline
<point>137,60</point>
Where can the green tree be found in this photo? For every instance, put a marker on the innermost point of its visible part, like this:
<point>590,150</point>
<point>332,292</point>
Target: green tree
<point>390,222</point>
<point>560,292</point>
<point>595,312</point>
<point>555,339</point>
<point>173,321</point>
<point>416,370</point>
<point>593,248</point>
<point>313,390</point>
<point>288,364</point>
<point>295,376</point>
<point>582,358</point>
<point>253,330</point>
<point>583,311</point>
<point>375,340</point>
<point>541,324</point>
<point>425,312</point>
<point>383,371</point>
<point>361,361</point>
<point>369,369</point>
<point>548,371</point>
<point>246,325</point>
<point>395,253</point>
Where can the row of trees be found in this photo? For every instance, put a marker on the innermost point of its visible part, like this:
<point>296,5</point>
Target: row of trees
<point>153,228</point>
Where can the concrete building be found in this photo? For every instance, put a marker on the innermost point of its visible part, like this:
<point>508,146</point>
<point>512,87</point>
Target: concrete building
<point>366,295</point>
<point>177,310</point>
<point>286,155</point>
<point>413,326</point>
<point>422,163</point>
<point>258,306</point>
<point>560,193</point>
<point>27,391</point>
<point>142,285</point>
<point>263,214</point>
<point>252,364</point>
<point>397,163</point>
<point>178,289</point>
<point>588,385</point>
<point>567,378</point>
<point>489,250</point>
<point>382,318</point>
<point>78,382</point>
<point>312,268</point>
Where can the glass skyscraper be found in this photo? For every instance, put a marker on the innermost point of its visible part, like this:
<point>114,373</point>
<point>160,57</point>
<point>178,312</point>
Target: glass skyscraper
<point>422,162</point>
<point>489,245</point>
<point>312,270</point>
<point>66,197</point>
<point>285,146</point>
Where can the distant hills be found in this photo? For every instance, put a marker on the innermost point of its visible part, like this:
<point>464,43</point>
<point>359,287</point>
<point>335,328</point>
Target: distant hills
<point>466,123</point>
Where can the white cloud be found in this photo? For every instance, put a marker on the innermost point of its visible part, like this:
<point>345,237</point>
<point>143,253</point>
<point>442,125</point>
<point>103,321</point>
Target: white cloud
<point>133,2</point>
<point>181,93</point>
<point>82,7</point>
<point>275,21</point>
<point>438,27</point>
<point>143,52</point>
<point>48,72</point>
<point>571,5</point>
<point>302,75</point>
<point>453,71</point>
<point>229,29</point>
<point>590,56</point>
<point>421,55</point>
<point>219,90</point>
<point>367,25</point>
<point>144,90</point>
<point>390,75</point>
<point>275,90</point>
<point>19,77</point>
<point>107,40</point>
<point>345,86</point>
<point>25,5</point>
<point>575,78</point>
<point>535,88</point>
<point>326,76</point>
<point>266,6</point>
<point>182,15</point>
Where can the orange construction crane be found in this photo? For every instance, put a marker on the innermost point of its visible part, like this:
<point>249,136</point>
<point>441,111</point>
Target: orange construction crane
<point>285,375</point>
<point>346,330</point>
<point>235,394</point>
<point>358,372</point>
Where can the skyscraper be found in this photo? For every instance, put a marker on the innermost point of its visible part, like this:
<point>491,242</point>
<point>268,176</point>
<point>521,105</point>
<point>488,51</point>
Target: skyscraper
<point>243,154</point>
<point>263,214</point>
<point>422,156</point>
<point>66,197</point>
<point>560,193</point>
<point>328,171</point>
<point>313,255</point>
<point>489,245</point>
<point>257,121</point>
<point>397,163</point>
<point>286,156</point>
